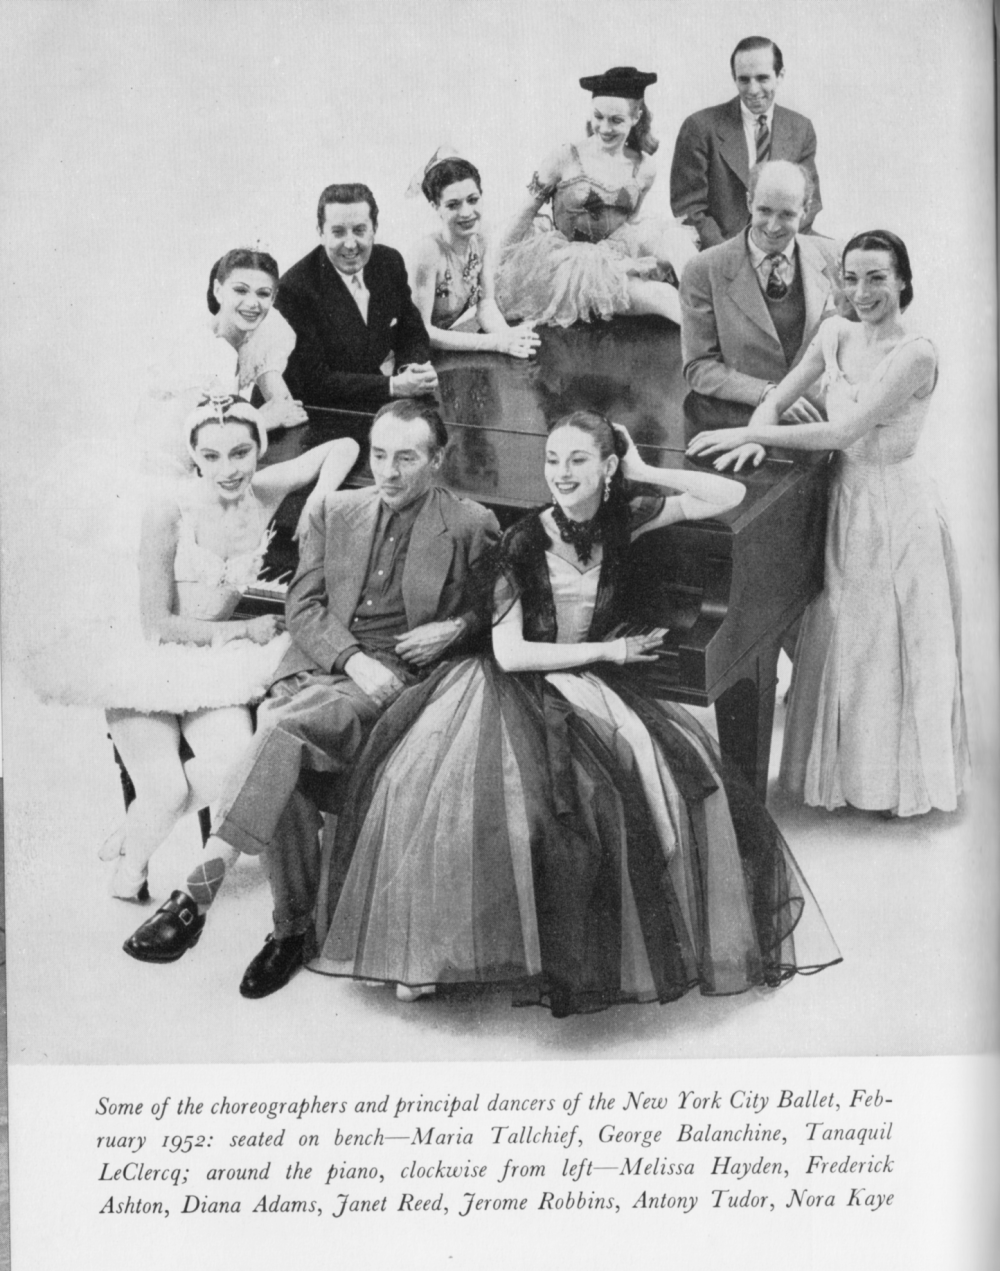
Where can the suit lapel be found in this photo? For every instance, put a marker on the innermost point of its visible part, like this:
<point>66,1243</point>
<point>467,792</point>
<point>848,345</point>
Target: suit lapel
<point>338,304</point>
<point>732,140</point>
<point>428,561</point>
<point>745,292</point>
<point>350,554</point>
<point>376,307</point>
<point>816,285</point>
<point>781,135</point>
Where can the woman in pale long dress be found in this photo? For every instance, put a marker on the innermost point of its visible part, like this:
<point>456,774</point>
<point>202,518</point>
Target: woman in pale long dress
<point>536,818</point>
<point>241,344</point>
<point>876,717</point>
<point>452,270</point>
<point>597,257</point>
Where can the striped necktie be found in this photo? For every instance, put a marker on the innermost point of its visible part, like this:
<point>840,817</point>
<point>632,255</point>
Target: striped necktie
<point>763,138</point>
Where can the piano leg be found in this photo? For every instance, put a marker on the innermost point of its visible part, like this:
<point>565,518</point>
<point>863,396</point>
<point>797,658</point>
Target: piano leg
<point>744,714</point>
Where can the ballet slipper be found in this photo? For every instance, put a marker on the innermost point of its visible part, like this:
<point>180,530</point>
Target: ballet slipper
<point>113,845</point>
<point>404,993</point>
<point>130,884</point>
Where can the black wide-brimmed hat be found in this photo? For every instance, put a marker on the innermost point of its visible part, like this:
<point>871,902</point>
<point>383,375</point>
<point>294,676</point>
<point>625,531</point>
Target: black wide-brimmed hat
<point>620,81</point>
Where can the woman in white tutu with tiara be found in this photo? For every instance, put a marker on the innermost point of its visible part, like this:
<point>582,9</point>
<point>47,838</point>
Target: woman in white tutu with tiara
<point>180,664</point>
<point>598,257</point>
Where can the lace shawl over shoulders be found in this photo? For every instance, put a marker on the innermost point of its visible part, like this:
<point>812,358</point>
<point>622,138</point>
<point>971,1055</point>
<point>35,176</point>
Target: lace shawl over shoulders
<point>516,570</point>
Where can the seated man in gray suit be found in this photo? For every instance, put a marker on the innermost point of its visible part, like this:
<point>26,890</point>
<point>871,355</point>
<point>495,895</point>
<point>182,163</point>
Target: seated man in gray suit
<point>717,147</point>
<point>379,597</point>
<point>750,307</point>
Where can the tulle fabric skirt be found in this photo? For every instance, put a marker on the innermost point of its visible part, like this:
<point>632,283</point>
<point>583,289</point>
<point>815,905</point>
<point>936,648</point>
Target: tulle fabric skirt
<point>564,835</point>
<point>104,666</point>
<point>550,279</point>
<point>876,717</point>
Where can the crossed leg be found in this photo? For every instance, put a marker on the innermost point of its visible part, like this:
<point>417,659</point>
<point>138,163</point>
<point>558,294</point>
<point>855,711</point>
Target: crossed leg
<point>165,788</point>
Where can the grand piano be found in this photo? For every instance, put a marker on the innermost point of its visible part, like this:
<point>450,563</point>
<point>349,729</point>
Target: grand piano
<point>728,589</point>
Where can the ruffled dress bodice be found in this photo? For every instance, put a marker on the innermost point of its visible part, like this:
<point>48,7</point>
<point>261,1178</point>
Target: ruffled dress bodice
<point>585,209</point>
<point>575,267</point>
<point>111,664</point>
<point>194,563</point>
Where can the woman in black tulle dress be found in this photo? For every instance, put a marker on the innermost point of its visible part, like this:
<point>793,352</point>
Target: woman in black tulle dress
<point>535,818</point>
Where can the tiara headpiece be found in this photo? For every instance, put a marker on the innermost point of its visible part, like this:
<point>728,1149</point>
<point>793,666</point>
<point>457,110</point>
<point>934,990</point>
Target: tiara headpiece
<point>224,408</point>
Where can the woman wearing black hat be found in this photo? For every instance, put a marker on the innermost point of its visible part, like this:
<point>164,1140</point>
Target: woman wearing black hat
<point>597,258</point>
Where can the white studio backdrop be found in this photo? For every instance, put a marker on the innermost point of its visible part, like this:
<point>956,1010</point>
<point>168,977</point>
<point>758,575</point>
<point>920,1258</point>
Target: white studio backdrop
<point>147,138</point>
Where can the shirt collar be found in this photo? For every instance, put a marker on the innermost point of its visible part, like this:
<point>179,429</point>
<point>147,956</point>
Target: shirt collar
<point>346,278</point>
<point>401,517</point>
<point>757,257</point>
<point>749,118</point>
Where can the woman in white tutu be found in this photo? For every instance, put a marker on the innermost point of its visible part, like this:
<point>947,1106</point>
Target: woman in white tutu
<point>598,258</point>
<point>183,665</point>
<point>452,271</point>
<point>243,343</point>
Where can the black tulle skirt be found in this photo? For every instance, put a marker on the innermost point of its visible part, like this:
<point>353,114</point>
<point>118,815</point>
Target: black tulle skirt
<point>564,834</point>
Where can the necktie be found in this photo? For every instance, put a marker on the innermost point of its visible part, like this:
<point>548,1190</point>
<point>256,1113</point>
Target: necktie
<point>763,138</point>
<point>776,288</point>
<point>358,295</point>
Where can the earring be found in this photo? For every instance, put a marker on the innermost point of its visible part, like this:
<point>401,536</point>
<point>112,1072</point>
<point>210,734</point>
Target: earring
<point>607,487</point>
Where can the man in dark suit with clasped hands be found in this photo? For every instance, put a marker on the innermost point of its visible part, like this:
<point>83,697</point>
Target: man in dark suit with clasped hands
<point>380,596</point>
<point>359,339</point>
<point>717,147</point>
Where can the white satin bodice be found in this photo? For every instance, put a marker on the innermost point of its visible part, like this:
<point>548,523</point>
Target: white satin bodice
<point>575,595</point>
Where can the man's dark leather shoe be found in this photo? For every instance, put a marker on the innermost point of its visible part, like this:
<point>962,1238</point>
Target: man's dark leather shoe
<point>274,966</point>
<point>167,936</point>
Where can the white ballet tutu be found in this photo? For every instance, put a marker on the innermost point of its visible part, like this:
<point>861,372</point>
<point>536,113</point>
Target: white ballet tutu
<point>105,667</point>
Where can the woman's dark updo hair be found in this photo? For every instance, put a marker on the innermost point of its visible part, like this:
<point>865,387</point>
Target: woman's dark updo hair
<point>239,258</point>
<point>448,172</point>
<point>883,240</point>
<point>640,135</point>
<point>608,440</point>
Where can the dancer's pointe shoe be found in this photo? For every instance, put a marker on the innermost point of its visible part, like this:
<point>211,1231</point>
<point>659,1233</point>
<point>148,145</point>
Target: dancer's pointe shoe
<point>167,936</point>
<point>114,845</point>
<point>408,993</point>
<point>130,884</point>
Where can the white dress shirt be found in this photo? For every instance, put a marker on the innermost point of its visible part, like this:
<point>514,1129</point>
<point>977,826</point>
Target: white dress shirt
<point>355,284</point>
<point>750,129</point>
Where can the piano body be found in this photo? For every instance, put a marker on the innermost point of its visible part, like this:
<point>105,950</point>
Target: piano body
<point>727,588</point>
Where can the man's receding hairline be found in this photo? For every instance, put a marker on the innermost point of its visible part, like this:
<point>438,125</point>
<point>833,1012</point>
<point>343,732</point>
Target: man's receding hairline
<point>389,414</point>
